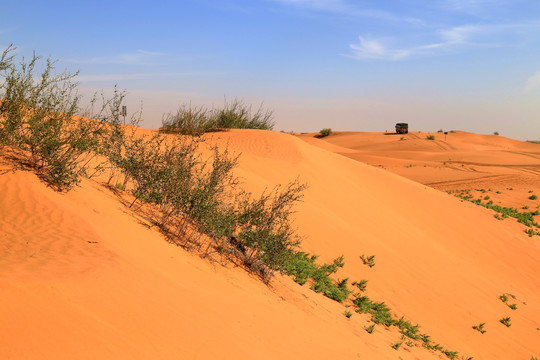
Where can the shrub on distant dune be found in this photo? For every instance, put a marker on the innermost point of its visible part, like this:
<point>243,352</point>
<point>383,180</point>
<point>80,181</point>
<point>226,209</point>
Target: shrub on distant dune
<point>324,133</point>
<point>193,120</point>
<point>430,137</point>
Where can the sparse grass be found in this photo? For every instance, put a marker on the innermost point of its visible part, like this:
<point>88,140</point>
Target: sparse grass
<point>505,321</point>
<point>368,260</point>
<point>197,120</point>
<point>348,314</point>
<point>480,328</point>
<point>525,218</point>
<point>503,298</point>
<point>430,137</point>
<point>396,345</point>
<point>513,306</point>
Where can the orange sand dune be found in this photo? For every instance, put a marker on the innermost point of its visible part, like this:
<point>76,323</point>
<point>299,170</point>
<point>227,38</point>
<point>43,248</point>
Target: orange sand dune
<point>83,277</point>
<point>455,161</point>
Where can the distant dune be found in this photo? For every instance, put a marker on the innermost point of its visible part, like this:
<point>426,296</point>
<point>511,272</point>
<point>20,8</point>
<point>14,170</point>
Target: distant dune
<point>83,277</point>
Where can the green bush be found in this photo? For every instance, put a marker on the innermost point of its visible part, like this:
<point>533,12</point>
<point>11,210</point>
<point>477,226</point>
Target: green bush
<point>430,137</point>
<point>38,122</point>
<point>533,197</point>
<point>324,133</point>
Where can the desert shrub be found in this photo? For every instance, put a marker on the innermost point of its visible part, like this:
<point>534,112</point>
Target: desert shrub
<point>188,120</point>
<point>323,133</point>
<point>237,115</point>
<point>193,120</point>
<point>263,225</point>
<point>533,197</point>
<point>503,298</point>
<point>396,345</point>
<point>37,120</point>
<point>505,321</point>
<point>347,314</point>
<point>430,137</point>
<point>496,133</point>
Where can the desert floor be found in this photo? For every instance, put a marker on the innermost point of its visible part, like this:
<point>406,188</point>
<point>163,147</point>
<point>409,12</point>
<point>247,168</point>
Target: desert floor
<point>84,277</point>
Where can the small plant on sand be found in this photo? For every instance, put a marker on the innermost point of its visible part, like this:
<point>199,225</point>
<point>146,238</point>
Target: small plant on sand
<point>368,260</point>
<point>503,298</point>
<point>496,133</point>
<point>323,133</point>
<point>513,306</point>
<point>533,197</point>
<point>303,267</point>
<point>505,321</point>
<point>347,314</point>
<point>450,354</point>
<point>480,328</point>
<point>396,345</point>
<point>361,285</point>
<point>370,329</point>
<point>430,137</point>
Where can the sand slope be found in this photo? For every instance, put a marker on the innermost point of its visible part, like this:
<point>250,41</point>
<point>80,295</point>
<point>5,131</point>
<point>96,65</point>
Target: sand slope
<point>82,277</point>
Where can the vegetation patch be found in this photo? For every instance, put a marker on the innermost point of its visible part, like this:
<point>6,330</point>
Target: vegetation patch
<point>480,328</point>
<point>505,321</point>
<point>324,133</point>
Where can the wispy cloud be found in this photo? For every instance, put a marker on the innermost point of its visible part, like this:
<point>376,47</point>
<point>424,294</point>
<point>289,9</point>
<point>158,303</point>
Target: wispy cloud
<point>139,76</point>
<point>376,49</point>
<point>344,7</point>
<point>454,38</point>
<point>472,6</point>
<point>140,57</point>
<point>533,83</point>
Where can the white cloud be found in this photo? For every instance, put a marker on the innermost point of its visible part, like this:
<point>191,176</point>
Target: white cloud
<point>533,83</point>
<point>140,57</point>
<point>375,49</point>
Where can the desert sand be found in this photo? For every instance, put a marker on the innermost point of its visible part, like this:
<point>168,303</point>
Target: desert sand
<point>83,277</point>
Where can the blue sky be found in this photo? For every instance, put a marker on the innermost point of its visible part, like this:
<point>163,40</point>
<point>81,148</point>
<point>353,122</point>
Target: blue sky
<point>349,65</point>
